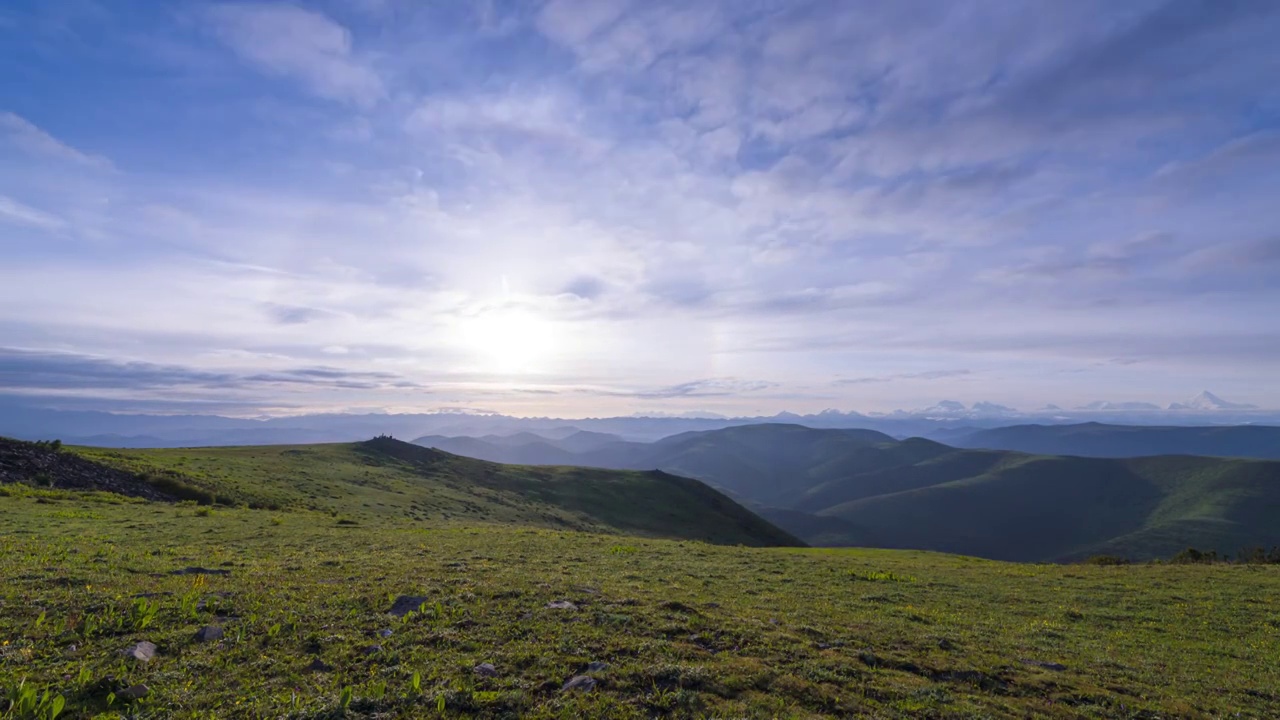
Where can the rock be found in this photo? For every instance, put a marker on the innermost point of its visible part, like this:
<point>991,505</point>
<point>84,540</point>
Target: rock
<point>406,604</point>
<point>1056,667</point>
<point>209,633</point>
<point>597,666</point>
<point>385,633</point>
<point>319,665</point>
<point>372,650</point>
<point>142,652</point>
<point>561,605</point>
<point>199,571</point>
<point>583,683</point>
<point>134,692</point>
<point>485,670</point>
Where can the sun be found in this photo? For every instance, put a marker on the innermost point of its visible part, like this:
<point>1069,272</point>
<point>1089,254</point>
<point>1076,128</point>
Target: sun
<point>510,341</point>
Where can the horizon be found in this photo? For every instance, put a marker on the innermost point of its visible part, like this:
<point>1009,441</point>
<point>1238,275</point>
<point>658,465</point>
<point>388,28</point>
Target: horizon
<point>549,209</point>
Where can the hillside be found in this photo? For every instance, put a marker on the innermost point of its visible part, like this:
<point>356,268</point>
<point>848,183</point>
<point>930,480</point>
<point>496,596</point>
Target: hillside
<point>386,479</point>
<point>265,614</point>
<point>862,488</point>
<point>1121,441</point>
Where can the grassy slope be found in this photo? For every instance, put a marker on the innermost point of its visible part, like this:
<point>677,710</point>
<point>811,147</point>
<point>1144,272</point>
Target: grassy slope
<point>364,482</point>
<point>1041,508</point>
<point>687,629</point>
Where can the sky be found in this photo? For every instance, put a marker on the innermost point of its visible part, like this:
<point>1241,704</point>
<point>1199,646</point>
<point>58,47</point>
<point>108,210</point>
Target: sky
<point>602,207</point>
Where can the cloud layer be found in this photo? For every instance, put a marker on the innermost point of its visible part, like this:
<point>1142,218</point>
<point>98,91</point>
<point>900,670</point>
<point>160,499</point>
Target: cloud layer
<point>559,208</point>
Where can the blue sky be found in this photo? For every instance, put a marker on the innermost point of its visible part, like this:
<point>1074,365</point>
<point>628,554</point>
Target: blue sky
<point>590,208</point>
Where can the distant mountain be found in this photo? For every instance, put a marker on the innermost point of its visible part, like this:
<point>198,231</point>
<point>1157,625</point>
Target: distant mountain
<point>1119,441</point>
<point>1208,401</point>
<point>112,429</point>
<point>859,487</point>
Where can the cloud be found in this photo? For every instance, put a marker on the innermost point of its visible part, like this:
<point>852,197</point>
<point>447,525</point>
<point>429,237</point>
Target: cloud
<point>289,41</point>
<point>293,314</point>
<point>712,387</point>
<point>15,212</point>
<point>25,135</point>
<point>34,370</point>
<point>927,375</point>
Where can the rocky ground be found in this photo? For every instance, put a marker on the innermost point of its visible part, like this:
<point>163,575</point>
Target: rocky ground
<point>46,465</point>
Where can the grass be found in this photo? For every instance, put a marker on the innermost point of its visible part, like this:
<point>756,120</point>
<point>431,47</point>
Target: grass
<point>384,479</point>
<point>687,629</point>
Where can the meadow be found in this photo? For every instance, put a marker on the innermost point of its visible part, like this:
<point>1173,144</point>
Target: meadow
<point>510,613</point>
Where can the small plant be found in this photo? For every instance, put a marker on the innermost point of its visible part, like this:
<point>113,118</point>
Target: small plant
<point>622,550</point>
<point>416,682</point>
<point>142,613</point>
<point>26,701</point>
<point>344,699</point>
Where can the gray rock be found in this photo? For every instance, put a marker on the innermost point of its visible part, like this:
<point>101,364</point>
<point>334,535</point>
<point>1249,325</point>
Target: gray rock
<point>209,633</point>
<point>134,692</point>
<point>319,665</point>
<point>561,605</point>
<point>406,604</point>
<point>597,666</point>
<point>385,633</point>
<point>372,650</point>
<point>485,670</point>
<point>1056,667</point>
<point>582,683</point>
<point>142,652</point>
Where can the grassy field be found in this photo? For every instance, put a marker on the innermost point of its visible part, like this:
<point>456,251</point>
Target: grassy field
<point>385,479</point>
<point>685,629</point>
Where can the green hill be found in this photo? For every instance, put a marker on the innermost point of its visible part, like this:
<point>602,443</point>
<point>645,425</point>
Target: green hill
<point>863,488</point>
<point>383,479</point>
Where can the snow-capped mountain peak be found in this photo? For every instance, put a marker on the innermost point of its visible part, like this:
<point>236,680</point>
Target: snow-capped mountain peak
<point>1208,401</point>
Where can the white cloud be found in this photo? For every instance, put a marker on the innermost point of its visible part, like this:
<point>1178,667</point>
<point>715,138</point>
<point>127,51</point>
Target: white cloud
<point>289,41</point>
<point>15,212</point>
<point>30,138</point>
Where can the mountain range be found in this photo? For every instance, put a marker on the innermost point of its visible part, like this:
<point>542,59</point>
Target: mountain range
<point>865,488</point>
<point>108,429</point>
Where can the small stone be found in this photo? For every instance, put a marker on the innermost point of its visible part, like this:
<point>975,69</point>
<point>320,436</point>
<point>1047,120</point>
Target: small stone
<point>319,665</point>
<point>597,666</point>
<point>583,683</point>
<point>209,633</point>
<point>485,670</point>
<point>372,650</point>
<point>385,633</point>
<point>134,692</point>
<point>142,652</point>
<point>406,604</point>
<point>561,605</point>
<point>1056,667</point>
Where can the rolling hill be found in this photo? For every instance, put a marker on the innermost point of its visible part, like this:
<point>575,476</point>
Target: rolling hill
<point>383,479</point>
<point>1120,441</point>
<point>863,488</point>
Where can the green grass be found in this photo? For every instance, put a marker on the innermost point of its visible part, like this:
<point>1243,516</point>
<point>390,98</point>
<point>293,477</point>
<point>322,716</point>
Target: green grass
<point>688,629</point>
<point>384,479</point>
